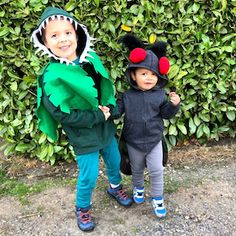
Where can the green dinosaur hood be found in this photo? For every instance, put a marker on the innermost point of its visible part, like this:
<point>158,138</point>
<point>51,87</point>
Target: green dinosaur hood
<point>51,13</point>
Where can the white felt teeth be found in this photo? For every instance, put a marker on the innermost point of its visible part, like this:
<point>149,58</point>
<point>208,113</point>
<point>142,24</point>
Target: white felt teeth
<point>88,55</point>
<point>42,25</point>
<point>76,25</point>
<point>38,50</point>
<point>91,50</point>
<point>43,53</point>
<point>44,50</point>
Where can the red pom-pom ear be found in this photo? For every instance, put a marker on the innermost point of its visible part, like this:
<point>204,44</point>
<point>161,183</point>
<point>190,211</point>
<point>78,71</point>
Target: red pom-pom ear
<point>164,65</point>
<point>137,55</point>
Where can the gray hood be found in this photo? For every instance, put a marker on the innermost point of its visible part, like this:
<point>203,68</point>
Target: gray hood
<point>151,63</point>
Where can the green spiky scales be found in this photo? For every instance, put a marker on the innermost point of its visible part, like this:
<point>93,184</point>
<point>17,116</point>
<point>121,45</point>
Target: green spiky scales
<point>107,87</point>
<point>70,87</point>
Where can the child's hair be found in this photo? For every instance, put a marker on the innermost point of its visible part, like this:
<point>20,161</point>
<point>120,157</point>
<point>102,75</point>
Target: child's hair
<point>42,38</point>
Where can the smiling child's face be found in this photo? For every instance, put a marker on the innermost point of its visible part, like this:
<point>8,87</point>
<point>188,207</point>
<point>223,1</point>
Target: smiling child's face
<point>144,78</point>
<point>60,37</point>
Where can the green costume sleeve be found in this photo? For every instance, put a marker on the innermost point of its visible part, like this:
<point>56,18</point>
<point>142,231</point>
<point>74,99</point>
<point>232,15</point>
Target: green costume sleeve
<point>107,86</point>
<point>76,118</point>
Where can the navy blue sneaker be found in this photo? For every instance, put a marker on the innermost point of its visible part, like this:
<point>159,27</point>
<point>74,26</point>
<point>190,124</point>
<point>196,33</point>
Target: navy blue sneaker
<point>120,196</point>
<point>84,221</point>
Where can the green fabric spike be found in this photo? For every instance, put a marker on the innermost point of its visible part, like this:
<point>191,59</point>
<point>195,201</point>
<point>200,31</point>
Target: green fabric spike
<point>69,87</point>
<point>107,95</point>
<point>98,66</point>
<point>45,121</point>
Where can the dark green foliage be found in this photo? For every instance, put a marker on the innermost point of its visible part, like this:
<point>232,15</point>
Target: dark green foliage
<point>201,46</point>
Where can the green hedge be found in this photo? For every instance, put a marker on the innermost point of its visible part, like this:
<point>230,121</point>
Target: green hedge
<point>201,47</point>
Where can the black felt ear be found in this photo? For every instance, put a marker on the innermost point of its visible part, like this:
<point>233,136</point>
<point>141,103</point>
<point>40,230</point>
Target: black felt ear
<point>159,48</point>
<point>131,42</point>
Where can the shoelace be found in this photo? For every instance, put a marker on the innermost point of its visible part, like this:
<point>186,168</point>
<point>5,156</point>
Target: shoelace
<point>122,194</point>
<point>85,217</point>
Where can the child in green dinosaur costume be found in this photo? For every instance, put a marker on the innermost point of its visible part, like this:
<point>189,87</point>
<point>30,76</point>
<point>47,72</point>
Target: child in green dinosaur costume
<point>74,90</point>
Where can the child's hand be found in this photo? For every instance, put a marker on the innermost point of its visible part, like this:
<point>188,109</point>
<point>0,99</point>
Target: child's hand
<point>107,115</point>
<point>104,108</point>
<point>174,98</point>
<point>106,111</point>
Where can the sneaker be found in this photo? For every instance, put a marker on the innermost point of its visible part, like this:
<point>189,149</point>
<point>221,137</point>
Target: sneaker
<point>159,208</point>
<point>84,221</point>
<point>138,195</point>
<point>120,196</point>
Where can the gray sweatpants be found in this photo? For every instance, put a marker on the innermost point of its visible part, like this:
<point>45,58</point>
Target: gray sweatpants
<point>153,160</point>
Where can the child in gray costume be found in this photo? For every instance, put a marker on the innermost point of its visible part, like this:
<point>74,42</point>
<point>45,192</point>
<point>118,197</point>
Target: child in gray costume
<point>145,105</point>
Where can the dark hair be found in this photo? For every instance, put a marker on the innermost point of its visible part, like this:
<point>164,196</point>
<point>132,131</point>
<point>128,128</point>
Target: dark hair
<point>41,37</point>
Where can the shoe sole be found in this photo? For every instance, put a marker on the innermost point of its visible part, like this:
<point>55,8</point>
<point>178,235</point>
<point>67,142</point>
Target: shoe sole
<point>138,202</point>
<point>160,216</point>
<point>87,230</point>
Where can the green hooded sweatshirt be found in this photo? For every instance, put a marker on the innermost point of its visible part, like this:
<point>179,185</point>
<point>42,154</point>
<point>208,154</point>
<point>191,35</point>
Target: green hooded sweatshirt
<point>69,93</point>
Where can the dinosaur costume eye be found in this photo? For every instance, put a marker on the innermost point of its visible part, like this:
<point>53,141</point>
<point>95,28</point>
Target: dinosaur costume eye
<point>137,55</point>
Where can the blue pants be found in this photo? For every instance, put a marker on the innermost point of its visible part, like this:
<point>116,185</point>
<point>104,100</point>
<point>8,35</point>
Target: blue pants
<point>88,165</point>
